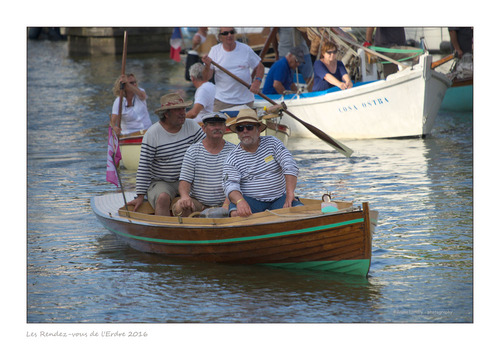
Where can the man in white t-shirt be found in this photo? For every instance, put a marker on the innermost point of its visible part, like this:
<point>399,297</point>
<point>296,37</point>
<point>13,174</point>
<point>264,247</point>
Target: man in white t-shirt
<point>204,96</point>
<point>240,60</point>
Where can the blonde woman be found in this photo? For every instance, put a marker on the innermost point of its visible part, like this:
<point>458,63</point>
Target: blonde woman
<point>135,115</point>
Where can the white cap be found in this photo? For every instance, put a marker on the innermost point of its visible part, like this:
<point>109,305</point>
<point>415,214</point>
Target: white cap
<point>214,116</point>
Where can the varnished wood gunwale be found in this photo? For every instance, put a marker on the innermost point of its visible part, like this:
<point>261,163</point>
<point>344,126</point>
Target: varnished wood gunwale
<point>239,229</point>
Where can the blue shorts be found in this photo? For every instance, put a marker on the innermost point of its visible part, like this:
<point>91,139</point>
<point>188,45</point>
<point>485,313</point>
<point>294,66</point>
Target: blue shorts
<point>258,206</point>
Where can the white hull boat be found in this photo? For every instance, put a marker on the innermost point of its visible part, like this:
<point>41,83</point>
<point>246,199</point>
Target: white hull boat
<point>130,148</point>
<point>404,105</point>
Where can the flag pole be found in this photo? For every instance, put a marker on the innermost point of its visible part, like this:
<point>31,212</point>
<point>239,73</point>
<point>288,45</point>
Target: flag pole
<point>124,60</point>
<point>118,173</point>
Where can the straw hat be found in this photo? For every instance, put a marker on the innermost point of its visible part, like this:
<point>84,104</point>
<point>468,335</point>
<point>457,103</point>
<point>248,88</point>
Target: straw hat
<point>171,101</point>
<point>247,116</point>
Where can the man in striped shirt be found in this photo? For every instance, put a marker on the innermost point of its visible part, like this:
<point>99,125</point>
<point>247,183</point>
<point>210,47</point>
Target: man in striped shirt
<point>260,173</point>
<point>200,184</point>
<point>162,151</point>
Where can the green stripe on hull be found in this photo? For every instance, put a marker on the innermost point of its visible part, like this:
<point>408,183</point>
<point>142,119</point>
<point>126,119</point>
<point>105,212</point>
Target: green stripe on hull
<point>239,239</point>
<point>352,267</point>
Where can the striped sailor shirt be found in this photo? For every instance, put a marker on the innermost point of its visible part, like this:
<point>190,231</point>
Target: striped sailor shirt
<point>260,175</point>
<point>162,153</point>
<point>203,170</point>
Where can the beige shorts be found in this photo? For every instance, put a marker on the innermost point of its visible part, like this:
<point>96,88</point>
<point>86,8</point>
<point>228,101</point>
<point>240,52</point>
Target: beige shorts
<point>158,187</point>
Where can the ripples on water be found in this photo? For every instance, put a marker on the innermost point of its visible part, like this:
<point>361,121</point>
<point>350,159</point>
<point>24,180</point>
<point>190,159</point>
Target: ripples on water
<point>78,272</point>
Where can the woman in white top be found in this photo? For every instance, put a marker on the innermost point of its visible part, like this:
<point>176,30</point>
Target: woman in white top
<point>135,115</point>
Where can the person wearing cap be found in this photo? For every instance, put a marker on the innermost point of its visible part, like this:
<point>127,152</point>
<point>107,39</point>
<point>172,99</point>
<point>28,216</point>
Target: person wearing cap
<point>328,71</point>
<point>279,78</point>
<point>200,181</point>
<point>240,60</point>
<point>260,173</point>
<point>204,95</point>
<point>162,151</point>
<point>297,37</point>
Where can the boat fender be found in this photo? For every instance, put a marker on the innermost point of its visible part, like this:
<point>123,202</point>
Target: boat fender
<point>329,207</point>
<point>215,213</point>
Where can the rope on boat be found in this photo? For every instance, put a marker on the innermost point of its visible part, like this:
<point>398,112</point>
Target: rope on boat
<point>417,52</point>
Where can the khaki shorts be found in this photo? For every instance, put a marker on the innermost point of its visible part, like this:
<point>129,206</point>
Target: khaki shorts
<point>158,187</point>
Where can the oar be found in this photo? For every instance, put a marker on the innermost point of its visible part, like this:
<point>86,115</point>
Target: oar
<point>442,60</point>
<point>346,151</point>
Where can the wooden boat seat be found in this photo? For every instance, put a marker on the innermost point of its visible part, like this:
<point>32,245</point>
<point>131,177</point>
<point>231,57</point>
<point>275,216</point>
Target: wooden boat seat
<point>144,208</point>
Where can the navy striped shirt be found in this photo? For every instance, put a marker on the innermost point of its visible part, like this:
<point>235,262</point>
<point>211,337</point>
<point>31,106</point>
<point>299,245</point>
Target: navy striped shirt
<point>162,153</point>
<point>203,170</point>
<point>260,175</point>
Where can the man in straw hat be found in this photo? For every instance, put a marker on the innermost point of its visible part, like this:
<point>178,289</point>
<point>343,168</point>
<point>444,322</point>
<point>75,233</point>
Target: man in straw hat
<point>200,184</point>
<point>260,173</point>
<point>162,151</point>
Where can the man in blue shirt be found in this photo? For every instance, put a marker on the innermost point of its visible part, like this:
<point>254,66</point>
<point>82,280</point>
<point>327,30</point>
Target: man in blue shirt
<point>279,78</point>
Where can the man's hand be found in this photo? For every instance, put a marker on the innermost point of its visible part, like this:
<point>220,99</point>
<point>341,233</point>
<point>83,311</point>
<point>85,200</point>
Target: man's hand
<point>242,208</point>
<point>136,202</point>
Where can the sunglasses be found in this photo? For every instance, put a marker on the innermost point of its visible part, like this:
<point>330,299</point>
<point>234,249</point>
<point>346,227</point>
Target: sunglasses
<point>331,52</point>
<point>249,127</point>
<point>228,32</point>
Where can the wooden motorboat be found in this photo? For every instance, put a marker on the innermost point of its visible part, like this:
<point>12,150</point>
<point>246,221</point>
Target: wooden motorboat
<point>304,237</point>
<point>130,148</point>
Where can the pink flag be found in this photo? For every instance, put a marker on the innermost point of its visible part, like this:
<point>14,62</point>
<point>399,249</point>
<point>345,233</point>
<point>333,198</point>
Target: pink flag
<point>114,156</point>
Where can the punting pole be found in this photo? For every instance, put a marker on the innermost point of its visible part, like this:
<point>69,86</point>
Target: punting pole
<point>124,60</point>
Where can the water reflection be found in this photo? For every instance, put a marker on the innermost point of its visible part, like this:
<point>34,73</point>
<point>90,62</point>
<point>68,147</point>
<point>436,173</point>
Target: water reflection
<point>292,296</point>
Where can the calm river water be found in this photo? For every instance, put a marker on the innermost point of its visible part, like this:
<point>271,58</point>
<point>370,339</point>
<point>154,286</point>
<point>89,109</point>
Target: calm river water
<point>78,272</point>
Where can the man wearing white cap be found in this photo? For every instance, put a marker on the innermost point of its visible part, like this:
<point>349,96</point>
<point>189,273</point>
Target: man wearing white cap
<point>200,185</point>
<point>260,173</point>
<point>162,151</point>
